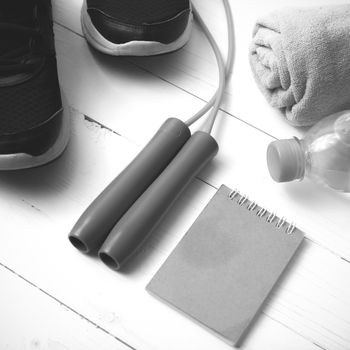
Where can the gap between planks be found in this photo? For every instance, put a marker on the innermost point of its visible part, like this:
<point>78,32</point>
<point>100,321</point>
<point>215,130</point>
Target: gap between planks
<point>110,131</point>
<point>102,126</point>
<point>65,305</point>
<point>94,324</point>
<point>173,84</point>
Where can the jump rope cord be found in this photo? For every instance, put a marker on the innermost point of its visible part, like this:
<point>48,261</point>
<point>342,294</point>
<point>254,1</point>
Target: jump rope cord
<point>224,72</point>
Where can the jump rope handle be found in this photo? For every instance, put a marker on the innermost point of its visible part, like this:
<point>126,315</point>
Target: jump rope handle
<point>148,210</point>
<point>95,224</point>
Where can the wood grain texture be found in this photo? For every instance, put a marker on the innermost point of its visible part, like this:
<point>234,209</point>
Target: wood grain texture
<point>134,103</point>
<point>38,321</point>
<point>193,68</point>
<point>309,306</point>
<point>125,100</point>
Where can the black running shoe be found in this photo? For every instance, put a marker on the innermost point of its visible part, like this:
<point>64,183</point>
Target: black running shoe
<point>33,128</point>
<point>137,27</point>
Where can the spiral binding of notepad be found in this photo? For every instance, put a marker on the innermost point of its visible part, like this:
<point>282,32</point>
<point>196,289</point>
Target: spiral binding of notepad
<point>280,223</point>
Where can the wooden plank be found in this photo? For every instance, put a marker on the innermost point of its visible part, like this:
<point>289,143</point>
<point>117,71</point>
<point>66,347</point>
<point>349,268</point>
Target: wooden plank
<point>117,91</point>
<point>309,307</point>
<point>29,319</point>
<point>194,67</point>
<point>107,89</point>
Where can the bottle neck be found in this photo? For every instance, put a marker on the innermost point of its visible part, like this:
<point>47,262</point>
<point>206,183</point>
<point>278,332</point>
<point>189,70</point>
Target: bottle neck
<point>300,158</point>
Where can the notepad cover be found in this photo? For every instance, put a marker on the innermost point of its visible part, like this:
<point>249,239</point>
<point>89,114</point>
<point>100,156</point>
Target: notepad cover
<point>226,265</point>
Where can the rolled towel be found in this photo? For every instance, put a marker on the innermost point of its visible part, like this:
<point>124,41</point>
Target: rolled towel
<point>300,58</point>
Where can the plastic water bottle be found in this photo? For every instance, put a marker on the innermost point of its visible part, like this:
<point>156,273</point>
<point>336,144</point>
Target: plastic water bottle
<point>323,155</point>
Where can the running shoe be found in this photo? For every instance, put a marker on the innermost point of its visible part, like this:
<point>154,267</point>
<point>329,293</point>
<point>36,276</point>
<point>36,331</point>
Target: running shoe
<point>137,27</point>
<point>33,128</point>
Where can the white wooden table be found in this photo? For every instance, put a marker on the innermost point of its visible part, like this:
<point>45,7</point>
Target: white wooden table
<point>53,297</point>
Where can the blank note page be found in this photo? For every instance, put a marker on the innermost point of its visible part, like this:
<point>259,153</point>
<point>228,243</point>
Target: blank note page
<point>223,269</point>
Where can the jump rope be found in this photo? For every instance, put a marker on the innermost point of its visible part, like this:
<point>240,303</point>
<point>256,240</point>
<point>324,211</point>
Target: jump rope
<point>119,220</point>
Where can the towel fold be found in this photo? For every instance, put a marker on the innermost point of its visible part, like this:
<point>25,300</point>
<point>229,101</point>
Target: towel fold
<point>301,61</point>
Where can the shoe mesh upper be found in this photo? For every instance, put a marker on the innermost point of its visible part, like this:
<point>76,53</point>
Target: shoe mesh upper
<point>26,105</point>
<point>27,101</point>
<point>138,12</point>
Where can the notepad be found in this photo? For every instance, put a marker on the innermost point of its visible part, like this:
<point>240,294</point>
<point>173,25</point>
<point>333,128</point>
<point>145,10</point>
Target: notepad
<point>226,265</point>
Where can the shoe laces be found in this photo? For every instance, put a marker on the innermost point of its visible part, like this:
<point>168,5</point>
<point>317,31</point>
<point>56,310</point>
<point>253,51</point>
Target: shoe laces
<point>21,47</point>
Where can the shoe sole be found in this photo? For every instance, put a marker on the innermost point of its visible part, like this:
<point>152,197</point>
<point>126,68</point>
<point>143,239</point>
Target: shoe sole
<point>17,161</point>
<point>132,48</point>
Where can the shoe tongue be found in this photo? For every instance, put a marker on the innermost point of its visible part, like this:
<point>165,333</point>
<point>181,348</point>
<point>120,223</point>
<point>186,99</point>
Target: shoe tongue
<point>14,9</point>
<point>15,12</point>
<point>9,44</point>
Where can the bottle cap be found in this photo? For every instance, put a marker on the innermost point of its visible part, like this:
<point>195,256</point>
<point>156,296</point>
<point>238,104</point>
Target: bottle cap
<point>285,160</point>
